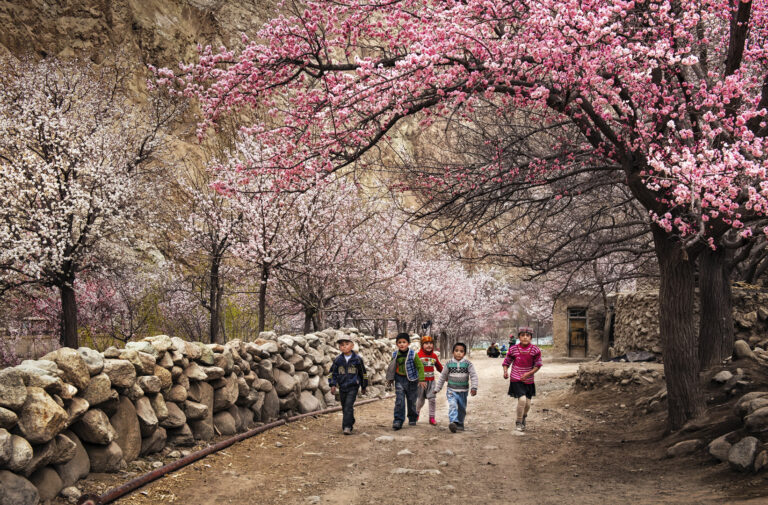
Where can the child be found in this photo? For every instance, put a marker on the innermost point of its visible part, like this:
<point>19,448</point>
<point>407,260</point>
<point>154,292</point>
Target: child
<point>431,360</point>
<point>525,359</point>
<point>458,373</point>
<point>348,374</point>
<point>407,372</point>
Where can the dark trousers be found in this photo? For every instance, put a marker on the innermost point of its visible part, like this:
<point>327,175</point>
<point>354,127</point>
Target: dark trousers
<point>406,392</point>
<point>347,397</point>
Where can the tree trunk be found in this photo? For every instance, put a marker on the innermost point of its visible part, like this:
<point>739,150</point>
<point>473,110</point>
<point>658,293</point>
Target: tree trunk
<point>678,338</point>
<point>716,312</point>
<point>214,302</point>
<point>308,313</point>
<point>316,323</point>
<point>605,353</point>
<point>263,297</point>
<point>68,337</point>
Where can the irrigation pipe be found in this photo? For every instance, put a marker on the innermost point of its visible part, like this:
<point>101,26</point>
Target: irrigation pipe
<point>134,484</point>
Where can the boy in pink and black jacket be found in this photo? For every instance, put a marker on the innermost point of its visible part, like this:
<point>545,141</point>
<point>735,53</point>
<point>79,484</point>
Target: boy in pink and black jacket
<point>525,360</point>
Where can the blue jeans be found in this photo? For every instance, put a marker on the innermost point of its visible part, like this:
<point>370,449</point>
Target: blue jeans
<point>347,398</point>
<point>406,392</point>
<point>457,406</point>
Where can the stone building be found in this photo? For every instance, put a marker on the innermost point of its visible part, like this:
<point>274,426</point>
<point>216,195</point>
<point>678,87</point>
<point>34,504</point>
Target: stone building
<point>577,326</point>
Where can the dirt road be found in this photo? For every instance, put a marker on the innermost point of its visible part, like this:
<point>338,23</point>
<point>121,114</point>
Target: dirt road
<point>574,452</point>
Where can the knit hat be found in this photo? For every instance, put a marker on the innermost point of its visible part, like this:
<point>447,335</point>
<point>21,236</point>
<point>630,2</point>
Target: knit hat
<point>427,339</point>
<point>525,329</point>
<point>403,335</point>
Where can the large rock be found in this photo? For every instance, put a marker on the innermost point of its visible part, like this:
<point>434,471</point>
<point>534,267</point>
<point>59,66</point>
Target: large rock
<point>122,373</point>
<point>206,354</point>
<point>155,442</point>
<point>263,385</point>
<point>47,482</point>
<point>13,391</point>
<point>72,365</point>
<point>181,436</point>
<point>94,427</point>
<point>144,347</point>
<point>741,349</point>
<point>177,393</point>
<point>162,343</point>
<point>284,383</point>
<point>65,449</point>
<point>151,383</point>
<point>21,454</point>
<point>176,417</point>
<point>93,360</point>
<point>195,411</point>
<point>203,428</point>
<point>271,407</point>
<point>159,406</point>
<point>213,372</point>
<point>685,447</point>
<point>16,490</point>
<point>757,421</point>
<point>225,423</point>
<point>42,455</point>
<point>126,424</point>
<point>166,379</point>
<point>226,396</point>
<point>6,447</point>
<point>742,454</point>
<point>41,417</point>
<point>289,402</point>
<point>195,373</point>
<point>77,467</point>
<point>105,458</point>
<point>8,418</point>
<point>77,407</point>
<point>99,389</point>
<point>145,414</point>
<point>308,402</point>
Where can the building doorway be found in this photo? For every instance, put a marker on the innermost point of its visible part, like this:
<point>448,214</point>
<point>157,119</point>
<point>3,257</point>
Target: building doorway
<point>577,332</point>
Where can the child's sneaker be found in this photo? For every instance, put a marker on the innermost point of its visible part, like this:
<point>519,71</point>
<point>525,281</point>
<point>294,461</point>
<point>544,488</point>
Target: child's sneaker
<point>519,426</point>
<point>452,427</point>
<point>411,423</point>
<point>347,431</point>
<point>432,421</point>
<point>460,427</point>
<point>524,418</point>
<point>396,426</point>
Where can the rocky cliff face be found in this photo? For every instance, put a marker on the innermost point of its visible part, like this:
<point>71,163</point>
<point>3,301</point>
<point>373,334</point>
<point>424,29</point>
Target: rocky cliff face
<point>160,32</point>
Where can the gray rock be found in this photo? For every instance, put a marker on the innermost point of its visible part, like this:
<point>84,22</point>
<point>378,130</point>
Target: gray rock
<point>213,372</point>
<point>133,393</point>
<point>761,461</point>
<point>41,417</point>
<point>47,482</point>
<point>126,425</point>
<point>8,418</point>
<point>225,423</point>
<point>21,454</point>
<point>145,414</point>
<point>284,383</point>
<point>154,443</point>
<point>77,407</point>
<point>42,455</point>
<point>17,490</point>
<point>111,352</point>
<point>195,411</point>
<point>159,406</point>
<point>742,406</point>
<point>165,361</point>
<point>105,458</point>
<point>289,402</point>
<point>685,447</point>
<point>177,393</point>
<point>741,349</point>
<point>71,493</point>
<point>13,391</point>
<point>206,354</point>
<point>722,377</point>
<point>165,376</point>
<point>308,402</point>
<point>269,348</point>
<point>6,447</point>
<point>149,383</point>
<point>93,360</point>
<point>263,385</point>
<point>95,428</point>
<point>77,467</point>
<point>181,436</point>
<point>246,418</point>
<point>757,421</point>
<point>271,406</point>
<point>144,347</point>
<point>99,389</point>
<point>203,428</point>
<point>162,343</point>
<point>176,417</point>
<point>195,373</point>
<point>65,449</point>
<point>742,454</point>
<point>72,365</point>
<point>122,373</point>
<point>226,396</point>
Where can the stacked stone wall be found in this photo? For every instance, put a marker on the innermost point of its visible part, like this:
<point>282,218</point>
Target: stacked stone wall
<point>73,412</point>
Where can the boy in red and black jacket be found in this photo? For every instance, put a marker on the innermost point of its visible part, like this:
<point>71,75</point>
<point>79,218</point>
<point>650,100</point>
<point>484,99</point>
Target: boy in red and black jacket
<point>431,360</point>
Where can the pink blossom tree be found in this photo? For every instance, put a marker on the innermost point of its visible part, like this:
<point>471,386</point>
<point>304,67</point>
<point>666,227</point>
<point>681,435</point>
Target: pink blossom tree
<point>671,95</point>
<point>72,145</point>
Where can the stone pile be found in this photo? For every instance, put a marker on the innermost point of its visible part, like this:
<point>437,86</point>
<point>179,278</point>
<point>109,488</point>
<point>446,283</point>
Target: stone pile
<point>78,411</point>
<point>599,374</point>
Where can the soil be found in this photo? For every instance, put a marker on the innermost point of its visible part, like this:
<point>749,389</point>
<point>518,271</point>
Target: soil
<point>581,447</point>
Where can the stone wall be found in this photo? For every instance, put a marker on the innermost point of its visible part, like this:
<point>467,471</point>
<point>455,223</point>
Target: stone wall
<point>78,411</point>
<point>636,326</point>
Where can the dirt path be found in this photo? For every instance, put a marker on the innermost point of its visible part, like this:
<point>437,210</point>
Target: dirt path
<point>573,453</point>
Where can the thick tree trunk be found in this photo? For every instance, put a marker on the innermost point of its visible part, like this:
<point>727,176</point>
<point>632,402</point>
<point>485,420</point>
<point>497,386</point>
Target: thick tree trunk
<point>263,297</point>
<point>716,313</point>
<point>679,340</point>
<point>214,302</point>
<point>68,337</point>
<point>605,353</point>
<point>308,313</point>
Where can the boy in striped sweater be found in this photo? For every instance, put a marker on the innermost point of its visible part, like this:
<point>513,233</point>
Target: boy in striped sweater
<point>431,360</point>
<point>460,375</point>
<point>525,359</point>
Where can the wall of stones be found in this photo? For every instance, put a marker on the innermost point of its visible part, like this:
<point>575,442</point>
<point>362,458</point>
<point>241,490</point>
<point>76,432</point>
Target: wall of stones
<point>78,411</point>
<point>636,325</point>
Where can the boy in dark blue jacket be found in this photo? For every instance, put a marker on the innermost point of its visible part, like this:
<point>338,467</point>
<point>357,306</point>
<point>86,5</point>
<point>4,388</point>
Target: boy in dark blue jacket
<point>347,374</point>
